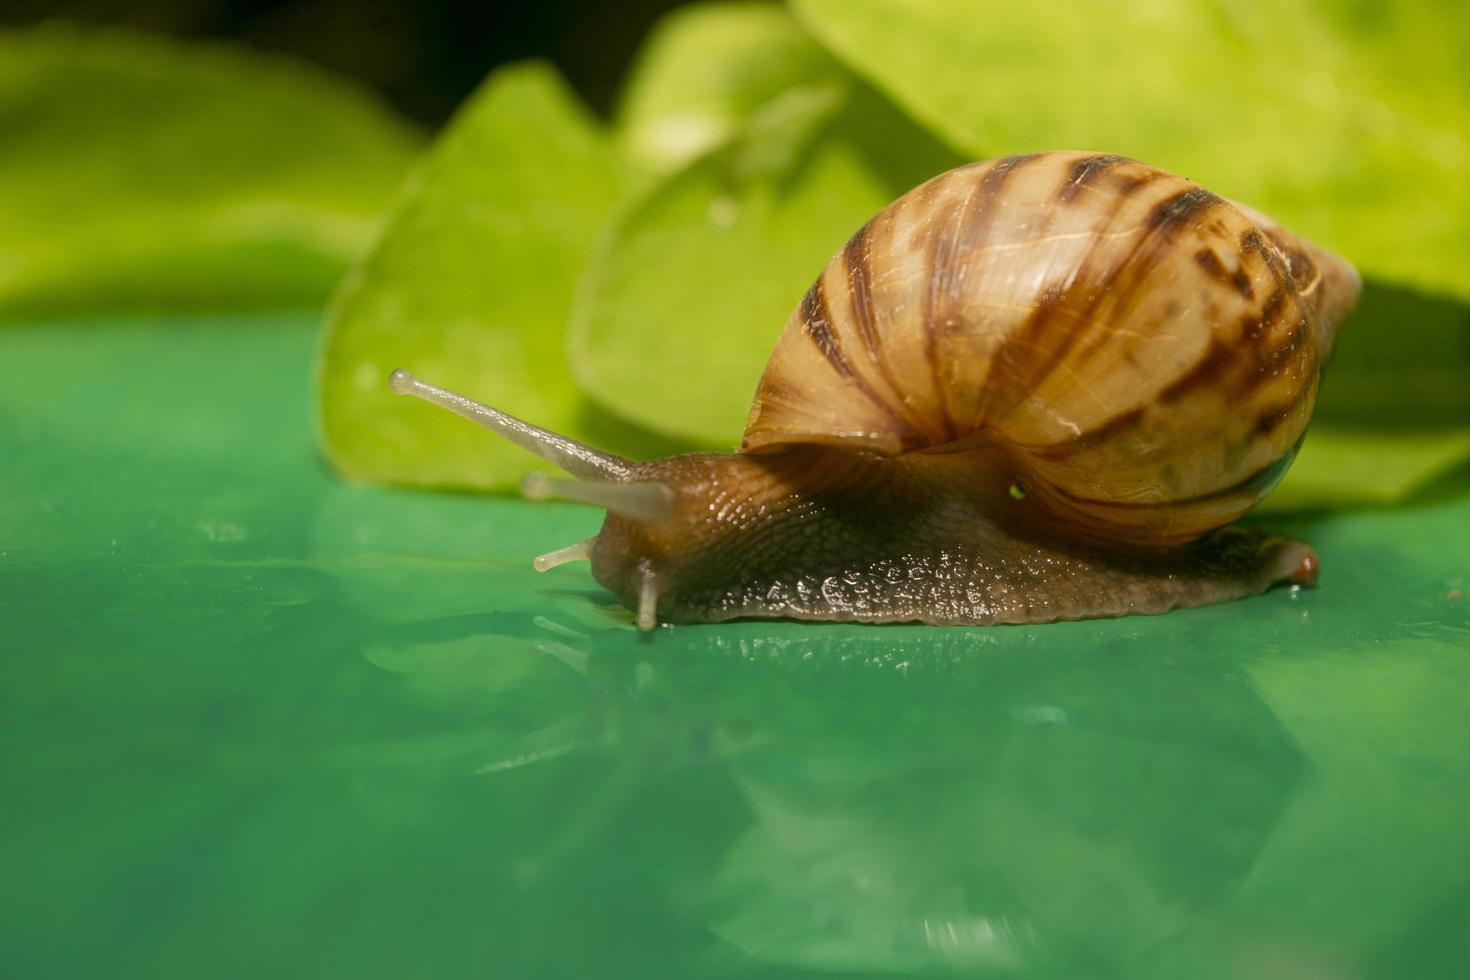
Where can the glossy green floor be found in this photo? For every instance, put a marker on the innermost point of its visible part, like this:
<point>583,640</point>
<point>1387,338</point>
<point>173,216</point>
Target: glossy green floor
<point>255,722</point>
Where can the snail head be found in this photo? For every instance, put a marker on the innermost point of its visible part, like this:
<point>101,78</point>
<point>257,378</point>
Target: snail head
<point>652,508</point>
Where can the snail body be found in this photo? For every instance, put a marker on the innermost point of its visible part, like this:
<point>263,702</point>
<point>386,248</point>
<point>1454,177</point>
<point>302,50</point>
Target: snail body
<point>1032,388</point>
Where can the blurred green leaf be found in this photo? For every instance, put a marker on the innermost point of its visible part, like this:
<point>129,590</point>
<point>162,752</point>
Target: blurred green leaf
<point>471,283</point>
<point>1393,414</point>
<point>681,307</point>
<point>137,172</point>
<point>469,287</point>
<point>1347,121</point>
<point>1345,468</point>
<point>704,70</point>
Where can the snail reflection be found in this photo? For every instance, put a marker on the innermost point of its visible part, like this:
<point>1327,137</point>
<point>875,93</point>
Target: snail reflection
<point>892,800</point>
<point>998,818</point>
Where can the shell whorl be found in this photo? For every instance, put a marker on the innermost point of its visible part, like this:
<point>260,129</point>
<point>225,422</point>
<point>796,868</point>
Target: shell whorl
<point>1145,351</point>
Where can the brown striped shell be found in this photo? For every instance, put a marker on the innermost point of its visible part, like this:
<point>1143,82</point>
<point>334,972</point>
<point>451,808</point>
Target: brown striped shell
<point>1146,352</point>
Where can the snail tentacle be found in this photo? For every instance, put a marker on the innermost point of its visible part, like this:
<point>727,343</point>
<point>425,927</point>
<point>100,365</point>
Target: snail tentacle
<point>581,551</point>
<point>568,455</point>
<point>647,599</point>
<point>648,500</point>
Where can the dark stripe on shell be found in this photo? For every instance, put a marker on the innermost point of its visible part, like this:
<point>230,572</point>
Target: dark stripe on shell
<point>1181,208</point>
<point>1248,365</point>
<point>1253,241</point>
<point>1221,356</point>
<point>1086,173</point>
<point>1268,420</point>
<point>1215,269</point>
<point>1256,325</point>
<point>1129,186</point>
<point>1163,222</point>
<point>817,325</point>
<point>1299,265</point>
<point>1019,359</point>
<point>945,256</point>
<point>1302,269</point>
<point>1272,360</point>
<point>860,287</point>
<point>1216,359</point>
<point>856,255</point>
<point>1278,263</point>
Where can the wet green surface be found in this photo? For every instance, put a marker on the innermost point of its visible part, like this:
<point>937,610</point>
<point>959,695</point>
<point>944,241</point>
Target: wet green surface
<point>255,721</point>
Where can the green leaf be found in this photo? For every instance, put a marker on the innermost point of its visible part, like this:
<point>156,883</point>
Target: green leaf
<point>1346,121</point>
<point>704,70</point>
<point>137,172</point>
<point>681,307</point>
<point>472,282</point>
<point>469,287</point>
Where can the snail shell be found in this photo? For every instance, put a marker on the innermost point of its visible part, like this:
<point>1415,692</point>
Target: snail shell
<point>1147,351</point>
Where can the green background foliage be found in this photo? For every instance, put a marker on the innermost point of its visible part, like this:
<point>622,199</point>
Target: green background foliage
<point>1348,122</point>
<point>138,173</point>
<point>471,284</point>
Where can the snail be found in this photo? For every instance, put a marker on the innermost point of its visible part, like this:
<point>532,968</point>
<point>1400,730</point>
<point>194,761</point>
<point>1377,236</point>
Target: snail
<point>1033,388</point>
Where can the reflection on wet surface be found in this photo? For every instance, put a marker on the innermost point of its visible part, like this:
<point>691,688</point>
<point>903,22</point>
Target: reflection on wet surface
<point>874,800</point>
<point>333,730</point>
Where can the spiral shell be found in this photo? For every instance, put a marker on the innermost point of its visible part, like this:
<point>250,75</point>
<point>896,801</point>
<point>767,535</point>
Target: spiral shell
<point>1146,352</point>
